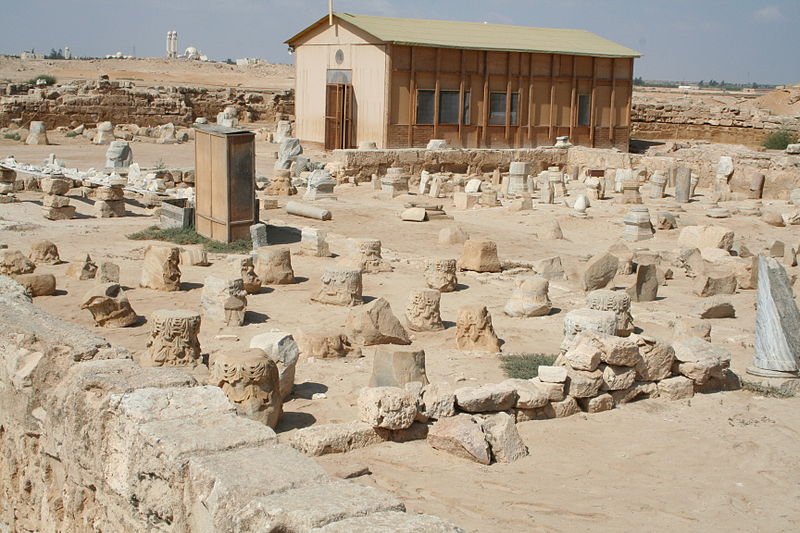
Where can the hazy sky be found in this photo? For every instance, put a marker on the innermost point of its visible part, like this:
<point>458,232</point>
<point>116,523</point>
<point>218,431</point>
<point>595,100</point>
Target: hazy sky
<point>734,40</point>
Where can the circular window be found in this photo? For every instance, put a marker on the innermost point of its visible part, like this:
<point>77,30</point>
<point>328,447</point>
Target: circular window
<point>339,57</point>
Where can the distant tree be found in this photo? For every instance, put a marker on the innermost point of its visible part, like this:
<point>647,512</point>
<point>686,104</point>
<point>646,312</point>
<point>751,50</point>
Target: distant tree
<point>230,61</point>
<point>55,54</point>
<point>701,84</point>
<point>638,81</point>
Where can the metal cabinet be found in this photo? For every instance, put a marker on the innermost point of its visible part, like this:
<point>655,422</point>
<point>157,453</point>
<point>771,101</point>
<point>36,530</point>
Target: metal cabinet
<point>225,167</point>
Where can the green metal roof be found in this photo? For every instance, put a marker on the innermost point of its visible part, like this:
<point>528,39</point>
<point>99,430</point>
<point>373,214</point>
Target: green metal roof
<point>478,36</point>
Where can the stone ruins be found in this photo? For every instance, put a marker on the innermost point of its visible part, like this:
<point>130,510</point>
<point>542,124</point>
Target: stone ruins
<point>385,325</point>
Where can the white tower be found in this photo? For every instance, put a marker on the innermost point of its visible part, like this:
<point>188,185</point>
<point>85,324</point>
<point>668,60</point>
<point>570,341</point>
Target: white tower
<point>172,44</point>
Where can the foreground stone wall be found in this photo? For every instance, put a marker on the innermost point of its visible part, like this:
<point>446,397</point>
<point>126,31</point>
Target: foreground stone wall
<point>653,118</point>
<point>122,102</point>
<point>89,441</point>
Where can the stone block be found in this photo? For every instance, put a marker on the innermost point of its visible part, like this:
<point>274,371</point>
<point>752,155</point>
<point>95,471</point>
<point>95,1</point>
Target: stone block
<point>391,521</point>
<point>387,407</point>
<point>485,399</point>
<point>461,435</point>
<point>676,388</point>
<point>598,404</point>
<point>479,256</point>
<point>323,439</point>
<point>552,374</point>
<point>582,384</point>
<point>504,440</point>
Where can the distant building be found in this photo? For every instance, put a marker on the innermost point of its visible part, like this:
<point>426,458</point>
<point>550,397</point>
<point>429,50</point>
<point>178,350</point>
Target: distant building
<point>402,82</point>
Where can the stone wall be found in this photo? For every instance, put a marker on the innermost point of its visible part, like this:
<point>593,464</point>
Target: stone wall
<point>89,441</point>
<point>654,118</point>
<point>122,102</point>
<point>364,163</point>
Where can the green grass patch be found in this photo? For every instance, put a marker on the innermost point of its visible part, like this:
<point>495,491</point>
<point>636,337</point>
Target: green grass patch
<point>70,134</point>
<point>779,140</point>
<point>525,365</point>
<point>769,391</point>
<point>47,78</point>
<point>189,236</point>
<point>13,136</point>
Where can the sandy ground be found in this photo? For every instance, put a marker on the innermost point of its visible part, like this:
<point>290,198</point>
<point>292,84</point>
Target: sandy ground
<point>719,462</point>
<point>152,71</point>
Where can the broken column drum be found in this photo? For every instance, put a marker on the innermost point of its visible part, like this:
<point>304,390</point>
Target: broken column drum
<point>368,256</point>
<point>683,185</point>
<point>619,302</point>
<point>249,378</point>
<point>518,178</point>
<point>395,182</point>
<point>173,339</point>
<point>658,182</point>
<point>637,224</point>
<point>340,286</point>
<point>630,192</point>
<point>441,274</point>
<point>474,330</point>
<point>422,312</point>
<point>308,211</point>
<point>757,186</point>
<point>225,204</point>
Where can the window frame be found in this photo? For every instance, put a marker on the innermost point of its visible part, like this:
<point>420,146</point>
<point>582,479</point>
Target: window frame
<point>510,113</point>
<point>588,119</point>
<point>432,93</point>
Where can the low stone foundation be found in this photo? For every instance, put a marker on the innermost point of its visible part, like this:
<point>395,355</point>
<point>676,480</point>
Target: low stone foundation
<point>90,441</point>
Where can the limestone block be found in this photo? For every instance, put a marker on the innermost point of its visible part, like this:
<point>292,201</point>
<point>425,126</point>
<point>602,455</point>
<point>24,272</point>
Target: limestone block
<point>109,208</point>
<point>366,255</point>
<point>598,404</point>
<point>193,255</point>
<point>715,284</point>
<point>374,323</point>
<point>699,360</point>
<point>582,384</point>
<point>549,268</point>
<point>323,439</point>
<point>109,194</point>
<point>474,330</point>
<point>550,230</point>
<point>387,407</point>
<point>529,395</point>
<point>274,266</point>
<point>44,252</point>
<point>564,408</point>
<point>313,506</point>
<point>82,269</point>
<point>773,218</point>
<point>217,487</point>
<point>599,272</point>
<point>617,377</point>
<point>37,134</point>
<point>706,237</point>
<point>503,438</point>
<point>479,256</point>
<point>314,242</point>
<point>714,307</point>
<point>436,401</point>
<point>108,272</point>
<point>324,344</point>
<point>216,292</point>
<point>677,388</point>
<point>655,362</point>
<point>390,521</point>
<point>645,288</point>
<point>554,391</point>
<point>461,435</point>
<point>393,367</point>
<point>55,189</point>
<point>59,213</point>
<point>282,349</point>
<point>552,374</point>
<point>414,214</point>
<point>587,320</point>
<point>585,352</point>
<point>464,200</point>
<point>485,399</point>
<point>618,351</point>
<point>109,306</point>
<point>13,262</point>
<point>619,302</point>
<point>160,269</point>
<point>37,284</point>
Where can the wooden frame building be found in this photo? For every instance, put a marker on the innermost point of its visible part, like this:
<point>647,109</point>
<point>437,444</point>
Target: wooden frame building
<point>403,82</point>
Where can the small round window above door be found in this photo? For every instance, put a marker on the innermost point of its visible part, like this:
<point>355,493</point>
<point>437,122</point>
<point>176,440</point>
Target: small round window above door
<point>339,57</point>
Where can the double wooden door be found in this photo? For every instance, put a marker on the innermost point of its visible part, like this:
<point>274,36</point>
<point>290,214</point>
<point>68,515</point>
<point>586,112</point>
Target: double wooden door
<point>339,127</point>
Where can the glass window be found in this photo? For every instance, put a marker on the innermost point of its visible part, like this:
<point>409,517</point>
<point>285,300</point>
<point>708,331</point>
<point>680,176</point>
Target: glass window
<point>467,100</point>
<point>425,105</point>
<point>497,109</point>
<point>448,107</point>
<point>584,109</point>
<point>344,77</point>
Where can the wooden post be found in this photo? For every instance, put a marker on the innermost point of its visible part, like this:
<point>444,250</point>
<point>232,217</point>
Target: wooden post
<point>572,118</point>
<point>613,100</point>
<point>552,97</point>
<point>508,97</point>
<point>518,131</point>
<point>461,101</point>
<point>412,100</point>
<point>485,110</point>
<point>436,95</point>
<point>591,104</point>
<point>387,97</point>
<point>530,99</point>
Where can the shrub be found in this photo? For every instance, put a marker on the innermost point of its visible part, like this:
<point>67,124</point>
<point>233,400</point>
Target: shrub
<point>13,136</point>
<point>525,365</point>
<point>48,79</point>
<point>189,236</point>
<point>779,140</point>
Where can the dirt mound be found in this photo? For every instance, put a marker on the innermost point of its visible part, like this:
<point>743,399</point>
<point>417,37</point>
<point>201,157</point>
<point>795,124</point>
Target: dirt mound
<point>780,101</point>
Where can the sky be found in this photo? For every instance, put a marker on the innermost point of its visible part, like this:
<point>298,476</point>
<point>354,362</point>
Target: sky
<point>682,40</point>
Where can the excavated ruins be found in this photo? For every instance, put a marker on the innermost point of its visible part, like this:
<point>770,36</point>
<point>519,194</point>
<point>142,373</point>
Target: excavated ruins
<point>348,369</point>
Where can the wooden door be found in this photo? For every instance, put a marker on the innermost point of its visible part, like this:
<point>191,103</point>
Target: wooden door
<point>339,111</point>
